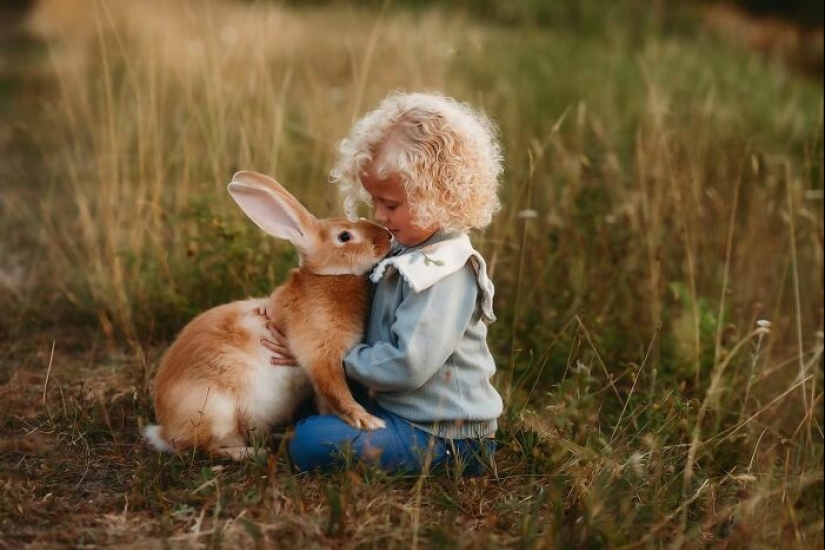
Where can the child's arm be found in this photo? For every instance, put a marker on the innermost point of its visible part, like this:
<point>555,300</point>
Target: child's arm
<point>428,328</point>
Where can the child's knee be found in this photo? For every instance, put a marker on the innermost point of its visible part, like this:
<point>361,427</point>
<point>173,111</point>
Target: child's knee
<point>318,442</point>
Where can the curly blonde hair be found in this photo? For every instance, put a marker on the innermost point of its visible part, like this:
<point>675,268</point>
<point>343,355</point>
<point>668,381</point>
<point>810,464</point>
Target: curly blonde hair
<point>446,153</point>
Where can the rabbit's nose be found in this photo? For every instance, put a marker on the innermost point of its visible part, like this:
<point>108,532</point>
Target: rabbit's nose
<point>383,236</point>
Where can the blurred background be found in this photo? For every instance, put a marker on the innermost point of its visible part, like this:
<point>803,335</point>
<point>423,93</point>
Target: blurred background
<point>663,199</point>
<point>669,152</point>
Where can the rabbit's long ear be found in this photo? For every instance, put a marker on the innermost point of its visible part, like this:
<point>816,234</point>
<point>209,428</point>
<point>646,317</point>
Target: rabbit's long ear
<point>272,207</point>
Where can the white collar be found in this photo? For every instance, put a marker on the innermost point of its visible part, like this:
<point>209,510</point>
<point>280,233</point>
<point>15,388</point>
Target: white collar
<point>423,267</point>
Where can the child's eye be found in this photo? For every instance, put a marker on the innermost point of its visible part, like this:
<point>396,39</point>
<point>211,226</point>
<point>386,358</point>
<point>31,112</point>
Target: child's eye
<point>344,237</point>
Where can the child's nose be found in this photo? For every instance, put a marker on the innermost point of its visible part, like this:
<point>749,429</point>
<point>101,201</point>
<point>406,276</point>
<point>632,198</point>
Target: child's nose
<point>381,215</point>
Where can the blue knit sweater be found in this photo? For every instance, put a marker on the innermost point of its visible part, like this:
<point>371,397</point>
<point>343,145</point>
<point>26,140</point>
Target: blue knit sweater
<point>425,353</point>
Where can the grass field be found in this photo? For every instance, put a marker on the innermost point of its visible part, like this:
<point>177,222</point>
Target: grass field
<point>658,265</point>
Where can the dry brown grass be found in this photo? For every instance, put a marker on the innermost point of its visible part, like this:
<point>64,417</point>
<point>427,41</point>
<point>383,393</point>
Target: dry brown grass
<point>662,195</point>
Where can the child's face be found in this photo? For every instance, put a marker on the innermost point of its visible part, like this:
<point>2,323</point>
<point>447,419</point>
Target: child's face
<point>392,210</point>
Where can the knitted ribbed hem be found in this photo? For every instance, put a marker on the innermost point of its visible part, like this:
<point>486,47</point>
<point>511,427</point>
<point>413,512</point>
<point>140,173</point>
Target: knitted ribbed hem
<point>453,428</point>
<point>459,429</point>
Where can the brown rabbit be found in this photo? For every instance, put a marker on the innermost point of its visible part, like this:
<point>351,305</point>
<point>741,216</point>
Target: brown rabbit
<point>216,388</point>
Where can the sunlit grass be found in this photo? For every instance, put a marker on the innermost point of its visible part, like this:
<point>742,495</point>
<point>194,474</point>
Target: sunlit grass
<point>663,194</point>
<point>158,121</point>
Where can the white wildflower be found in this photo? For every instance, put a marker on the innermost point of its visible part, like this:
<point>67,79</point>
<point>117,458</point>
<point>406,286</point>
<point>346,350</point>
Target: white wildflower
<point>637,463</point>
<point>581,368</point>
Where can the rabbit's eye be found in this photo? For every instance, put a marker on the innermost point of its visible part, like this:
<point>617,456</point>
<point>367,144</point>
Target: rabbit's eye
<point>345,237</point>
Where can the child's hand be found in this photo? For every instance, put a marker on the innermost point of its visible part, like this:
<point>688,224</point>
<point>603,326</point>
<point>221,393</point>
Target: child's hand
<point>278,345</point>
<point>264,309</point>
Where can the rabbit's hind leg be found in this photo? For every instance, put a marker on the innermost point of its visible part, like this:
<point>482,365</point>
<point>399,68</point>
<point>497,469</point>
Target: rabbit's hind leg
<point>240,454</point>
<point>232,445</point>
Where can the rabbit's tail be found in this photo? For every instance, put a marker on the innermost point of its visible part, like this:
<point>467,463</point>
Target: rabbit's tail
<point>153,434</point>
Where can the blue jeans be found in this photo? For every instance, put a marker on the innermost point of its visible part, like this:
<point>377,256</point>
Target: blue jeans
<point>323,442</point>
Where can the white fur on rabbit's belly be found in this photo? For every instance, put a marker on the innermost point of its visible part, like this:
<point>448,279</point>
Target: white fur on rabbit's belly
<point>272,392</point>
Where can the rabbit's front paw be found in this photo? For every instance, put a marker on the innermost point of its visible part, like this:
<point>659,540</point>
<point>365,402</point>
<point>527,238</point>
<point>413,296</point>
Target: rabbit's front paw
<point>361,419</point>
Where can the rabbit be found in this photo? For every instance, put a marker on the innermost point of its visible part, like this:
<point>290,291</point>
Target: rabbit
<point>216,388</point>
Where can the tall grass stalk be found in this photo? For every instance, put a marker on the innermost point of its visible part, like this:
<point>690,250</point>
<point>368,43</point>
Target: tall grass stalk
<point>670,189</point>
<point>170,132</point>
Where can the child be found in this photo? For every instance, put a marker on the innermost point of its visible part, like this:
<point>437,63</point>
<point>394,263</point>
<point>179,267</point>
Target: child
<point>429,166</point>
